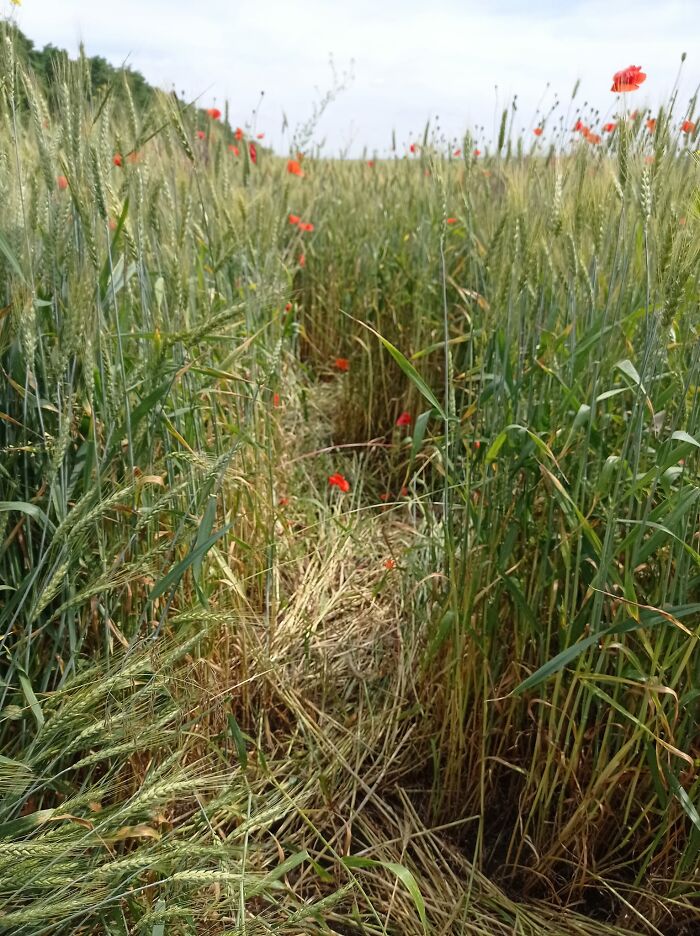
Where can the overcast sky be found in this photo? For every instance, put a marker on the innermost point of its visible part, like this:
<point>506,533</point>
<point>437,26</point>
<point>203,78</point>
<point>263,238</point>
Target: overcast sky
<point>412,60</point>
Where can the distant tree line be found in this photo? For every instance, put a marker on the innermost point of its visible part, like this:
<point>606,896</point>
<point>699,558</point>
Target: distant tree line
<point>47,65</point>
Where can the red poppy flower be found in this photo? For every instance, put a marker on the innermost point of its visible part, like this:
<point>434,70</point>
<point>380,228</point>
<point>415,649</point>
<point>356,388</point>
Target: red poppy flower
<point>390,564</point>
<point>591,137</point>
<point>477,152</point>
<point>253,151</point>
<point>288,307</point>
<point>634,114</point>
<point>294,168</point>
<point>238,135</point>
<point>609,127</point>
<point>404,491</point>
<point>214,113</point>
<point>275,399</point>
<point>477,444</point>
<point>537,131</point>
<point>294,219</point>
<point>62,182</point>
<point>385,496</point>
<point>306,226</point>
<point>117,159</point>
<point>651,124</point>
<point>234,149</point>
<point>413,148</point>
<point>687,126</point>
<point>579,126</point>
<point>337,480</point>
<point>457,152</point>
<point>342,364</point>
<point>370,163</point>
<point>201,135</point>
<point>629,79</point>
<point>452,220</point>
<point>260,136</point>
<point>283,501</point>
<point>302,260</point>
<point>404,419</point>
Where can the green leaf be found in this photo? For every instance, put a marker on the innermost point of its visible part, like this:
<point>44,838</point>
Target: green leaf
<point>179,570</point>
<point>31,510</point>
<point>682,797</point>
<point>159,928</point>
<point>680,436</point>
<point>238,740</point>
<point>10,257</point>
<point>408,369</point>
<point>31,698</point>
<point>402,873</point>
<point>630,371</point>
<point>204,532</point>
<point>562,659</point>
<point>419,434</point>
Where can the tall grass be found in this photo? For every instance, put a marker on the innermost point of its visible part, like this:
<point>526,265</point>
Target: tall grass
<point>462,696</point>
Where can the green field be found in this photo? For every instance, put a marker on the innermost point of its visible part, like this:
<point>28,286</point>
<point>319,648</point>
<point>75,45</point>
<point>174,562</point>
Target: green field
<point>457,690</point>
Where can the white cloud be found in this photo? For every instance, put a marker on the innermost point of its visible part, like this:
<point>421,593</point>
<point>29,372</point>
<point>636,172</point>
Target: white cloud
<point>412,60</point>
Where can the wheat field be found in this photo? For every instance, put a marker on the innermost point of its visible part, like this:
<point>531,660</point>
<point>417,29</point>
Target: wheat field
<point>349,525</point>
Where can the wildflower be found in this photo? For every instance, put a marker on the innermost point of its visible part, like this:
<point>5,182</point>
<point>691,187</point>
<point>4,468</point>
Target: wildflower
<point>413,148</point>
<point>404,491</point>
<point>390,564</point>
<point>634,114</point>
<point>370,163</point>
<point>275,399</point>
<point>537,131</point>
<point>238,135</point>
<point>651,124</point>
<point>477,444</point>
<point>337,480</point>
<point>294,219</point>
<point>253,151</point>
<point>306,226</point>
<point>283,501</point>
<point>302,260</point>
<point>457,153</point>
<point>117,159</point>
<point>201,135</point>
<point>62,182</point>
<point>629,79</point>
<point>452,220</point>
<point>214,113</point>
<point>385,496</point>
<point>477,152</point>
<point>609,127</point>
<point>294,168</point>
<point>234,149</point>
<point>260,136</point>
<point>687,126</point>
<point>579,126</point>
<point>342,364</point>
<point>591,137</point>
<point>404,419</point>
